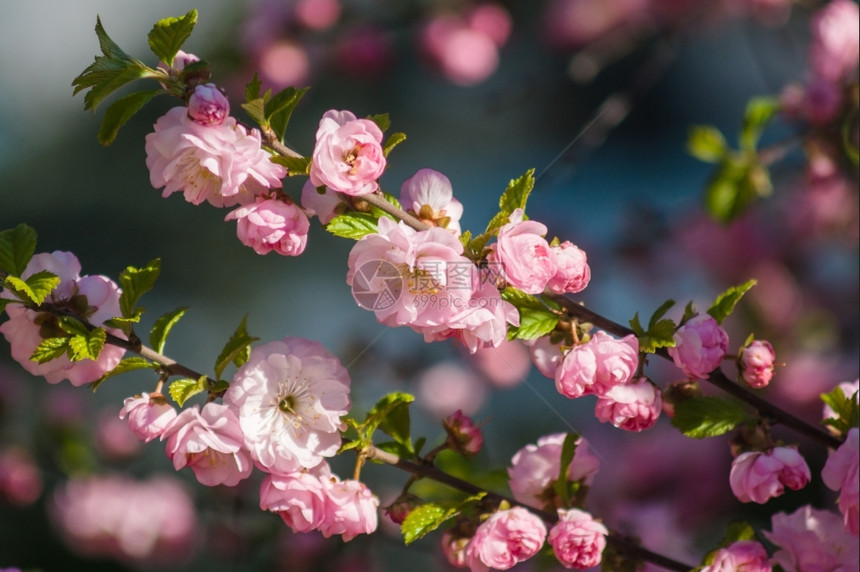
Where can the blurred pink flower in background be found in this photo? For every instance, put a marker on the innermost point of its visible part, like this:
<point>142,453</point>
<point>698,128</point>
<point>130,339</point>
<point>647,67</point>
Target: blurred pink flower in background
<point>812,539</point>
<point>447,387</point>
<point>114,438</point>
<point>20,477</point>
<point>317,14</point>
<point>836,40</point>
<point>505,366</point>
<point>840,474</point>
<point>364,52</point>
<point>284,63</point>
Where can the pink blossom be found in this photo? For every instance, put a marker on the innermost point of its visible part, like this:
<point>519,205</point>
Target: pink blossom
<point>577,539</point>
<point>454,547</point>
<point>114,439</point>
<point>20,477</point>
<point>223,164</point>
<point>210,442</point>
<point>634,406</point>
<point>429,196</point>
<point>761,475</point>
<point>148,415</point>
<point>572,272</point>
<point>289,397</point>
<point>756,363</point>
<point>840,473</point>
<point>324,205</point>
<point>700,346</point>
<point>350,510</point>
<point>463,54</point>
<point>535,468</point>
<point>812,540</point>
<point>93,298</point>
<point>298,498</point>
<point>598,365</point>
<point>318,14</point>
<point>505,539</point>
<point>272,225</point>
<point>463,435</point>
<point>208,105</point>
<point>284,63</point>
<point>149,523</point>
<point>545,355</point>
<point>740,556</point>
<point>836,40</point>
<point>347,156</point>
<point>527,261</point>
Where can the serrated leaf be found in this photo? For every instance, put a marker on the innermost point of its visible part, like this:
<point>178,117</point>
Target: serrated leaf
<point>380,413</point>
<point>295,165</point>
<point>135,282</point>
<point>120,111</point>
<point>706,143</point>
<point>168,35</point>
<point>382,121</point>
<point>236,349</point>
<point>517,192</point>
<point>35,288</point>
<point>348,445</point>
<point>256,109</point>
<point>397,425</point>
<point>252,88</point>
<point>393,141</point>
<point>498,221</point>
<point>50,348</point>
<point>124,324</point>
<point>708,416</point>
<point>568,450</point>
<point>127,364</point>
<point>636,326</point>
<point>660,335</point>
<point>725,303</point>
<point>352,225</point>
<point>280,107</point>
<point>161,329</point>
<point>846,409</point>
<point>536,319</point>
<point>182,390</point>
<point>660,312</point>
<point>87,346</point>
<point>17,246</point>
<point>425,519</point>
<point>72,326</point>
<point>759,112</point>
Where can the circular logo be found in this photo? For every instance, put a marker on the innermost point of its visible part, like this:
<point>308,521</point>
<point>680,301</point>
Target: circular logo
<point>377,285</point>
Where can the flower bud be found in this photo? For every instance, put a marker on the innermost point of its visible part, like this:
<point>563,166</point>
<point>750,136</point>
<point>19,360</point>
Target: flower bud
<point>463,435</point>
<point>208,105</point>
<point>401,507</point>
<point>756,363</point>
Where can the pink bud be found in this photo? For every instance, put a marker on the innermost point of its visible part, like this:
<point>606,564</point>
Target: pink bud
<point>463,436</point>
<point>208,105</point>
<point>401,507</point>
<point>761,475</point>
<point>756,363</point>
<point>700,346</point>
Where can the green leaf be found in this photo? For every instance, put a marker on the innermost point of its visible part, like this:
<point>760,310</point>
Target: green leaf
<point>125,365</point>
<point>295,165</point>
<point>660,335</point>
<point>168,35</point>
<point>706,143</point>
<point>36,287</point>
<point>725,303</point>
<point>17,246</point>
<point>425,519</point>
<point>124,324</point>
<point>398,427</point>
<point>759,112</point>
<point>120,111</point>
<point>689,312</point>
<point>517,193</point>
<point>636,326</point>
<point>279,109</point>
<point>160,330</point>
<point>72,326</point>
<point>352,225</point>
<point>846,409</point>
<point>183,389</point>
<point>236,350</point>
<point>498,221</point>
<point>568,449</point>
<point>738,530</point>
<point>393,141</point>
<point>256,109</point>
<point>733,188</point>
<point>252,88</point>
<point>50,348</point>
<point>87,346</point>
<point>708,416</point>
<point>382,121</point>
<point>660,312</point>
<point>135,282</point>
<point>536,319</point>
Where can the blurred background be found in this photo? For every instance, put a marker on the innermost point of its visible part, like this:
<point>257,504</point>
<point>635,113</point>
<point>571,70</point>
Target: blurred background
<point>597,96</point>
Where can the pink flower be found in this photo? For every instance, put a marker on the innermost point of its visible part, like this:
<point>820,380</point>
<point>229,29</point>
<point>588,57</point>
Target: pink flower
<point>289,397</point>
<point>92,298</point>
<point>210,442</point>
<point>572,272</point>
<point>465,55</point>
<point>756,363</point>
<point>577,539</point>
<point>223,164</point>
<point>454,547</point>
<point>634,406</point>
<point>836,40</point>
<point>325,205</point>
<point>402,506</point>
<point>463,435</point>
<point>298,498</point>
<point>526,258</point>
<point>505,539</point>
<point>348,154</point>
<point>740,556</point>
<point>810,540</point>
<point>598,365</point>
<point>350,510</point>
<point>545,355</point>
<point>148,415</point>
<point>429,196</point>
<point>535,468</point>
<point>272,225</point>
<point>840,473</point>
<point>761,475</point>
<point>208,105</point>
<point>700,346</point>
